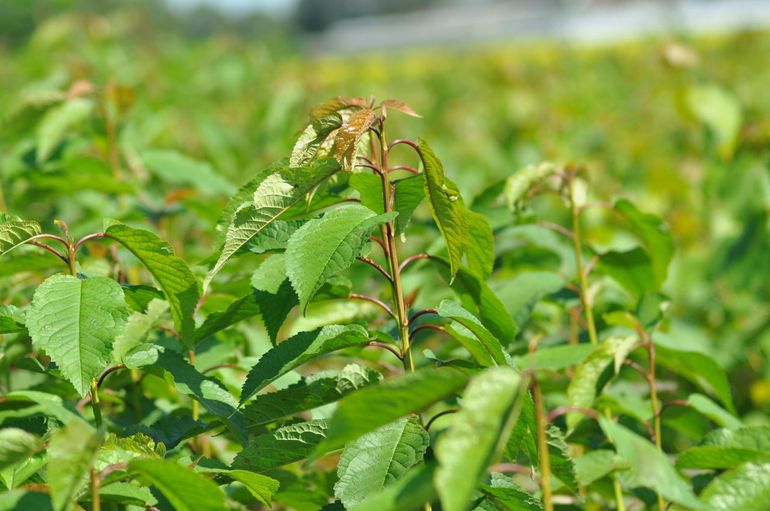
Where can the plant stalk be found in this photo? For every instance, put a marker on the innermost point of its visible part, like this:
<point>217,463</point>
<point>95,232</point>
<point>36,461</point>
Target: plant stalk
<point>195,410</point>
<point>655,408</point>
<point>96,503</point>
<point>577,243</point>
<point>542,446</point>
<point>95,403</point>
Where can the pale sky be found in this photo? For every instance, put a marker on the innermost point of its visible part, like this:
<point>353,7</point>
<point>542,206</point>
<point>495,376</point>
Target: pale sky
<point>237,6</point>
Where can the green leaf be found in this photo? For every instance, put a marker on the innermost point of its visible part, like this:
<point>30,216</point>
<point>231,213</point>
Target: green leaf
<point>45,403</point>
<point>57,122</point>
<point>411,491</point>
<point>631,269</point>
<point>76,321</point>
<point>274,192</point>
<point>16,445</point>
<point>70,453</point>
<point>171,272</point>
<point>476,436</point>
<point>746,488</point>
<point>554,358</point>
<point>137,328</point>
<point>562,465</point>
<point>349,135</point>
<point>521,292</point>
<point>409,194</point>
<point>273,237</point>
<point>491,350</point>
<point>285,445</point>
<point>512,498</point>
<point>14,232</point>
<point>299,349</point>
<point>649,467</point>
<point>274,294</point>
<point>369,188</point>
<point>518,185</point>
<point>242,308</point>
<point>307,394</point>
<point>11,320</point>
<point>260,486</point>
<point>654,235</point>
<point>184,489</point>
<point>480,253</point>
<point>446,205</point>
<point>373,406</point>
<point>22,500</point>
<point>697,367</point>
<point>597,464</point>
<point>713,411</point>
<point>728,448</point>
<point>378,458</point>
<point>581,391</point>
<point>178,169</point>
<point>326,246</point>
<point>313,138</point>
<point>720,111</point>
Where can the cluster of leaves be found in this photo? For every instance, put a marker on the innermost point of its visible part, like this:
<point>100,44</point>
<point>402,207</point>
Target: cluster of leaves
<point>419,350</point>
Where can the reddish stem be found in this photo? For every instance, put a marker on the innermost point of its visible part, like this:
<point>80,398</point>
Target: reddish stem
<point>388,347</point>
<point>423,312</point>
<point>409,260</point>
<point>408,168</point>
<point>380,303</point>
<point>376,266</point>
<point>108,372</point>
<point>89,237</point>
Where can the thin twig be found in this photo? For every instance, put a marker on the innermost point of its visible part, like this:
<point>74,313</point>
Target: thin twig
<point>409,260</point>
<point>555,227</point>
<point>431,310</point>
<point>408,168</point>
<point>376,301</point>
<point>50,249</point>
<point>563,410</point>
<point>403,141</point>
<point>89,237</point>
<point>368,166</point>
<point>107,372</point>
<point>379,242</point>
<point>376,266</point>
<point>421,328</point>
<point>440,414</point>
<point>386,347</point>
<point>223,366</point>
<point>669,404</point>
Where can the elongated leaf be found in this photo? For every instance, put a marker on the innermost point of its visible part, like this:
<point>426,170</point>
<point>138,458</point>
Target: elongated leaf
<point>299,349</point>
<point>16,445</point>
<point>285,445</point>
<point>379,458</point>
<point>327,246</point>
<point>260,486</point>
<point>746,488</point>
<point>76,321</point>
<point>521,292</point>
<point>45,403</point>
<point>369,188</point>
<point>477,435</point>
<point>184,489</point>
<point>490,344</point>
<point>307,394</point>
<point>522,181</point>
<point>178,169</point>
<point>446,205</point>
<point>480,253</point>
<point>562,465</point>
<point>554,358</point>
<point>713,411</point>
<point>349,135</point>
<point>653,233</point>
<point>582,388</point>
<point>376,405</point>
<point>697,367</point>
<point>728,448</point>
<point>11,320</point>
<point>242,308</point>
<point>55,124</point>
<point>14,232</point>
<point>409,194</point>
<point>631,269</point>
<point>411,491</point>
<point>275,191</point>
<point>648,466</point>
<point>70,453</point>
<point>171,272</point>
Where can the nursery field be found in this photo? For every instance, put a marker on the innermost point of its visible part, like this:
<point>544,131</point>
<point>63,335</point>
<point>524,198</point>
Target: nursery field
<point>507,277</point>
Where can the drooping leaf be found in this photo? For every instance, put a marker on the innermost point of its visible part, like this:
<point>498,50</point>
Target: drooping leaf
<point>379,458</point>
<point>745,488</point>
<point>260,486</point>
<point>521,292</point>
<point>185,489</point>
<point>137,328</point>
<point>274,193</point>
<point>492,351</point>
<point>649,467</point>
<point>632,269</point>
<point>56,123</point>
<point>178,169</point>
<point>327,246</point>
<point>369,188</point>
<point>299,349</point>
<point>285,445</point>
<point>480,252</point>
<point>174,277</point>
<point>476,436</point>
<point>70,453</point>
<point>411,491</point>
<point>713,411</point>
<point>518,185</point>
<point>76,321</point>
<point>654,235</point>
<point>446,205</point>
<point>409,194</point>
<point>16,445</point>
<point>581,391</point>
<point>307,394</point>
<point>373,406</point>
<point>349,135</point>
<point>14,232</point>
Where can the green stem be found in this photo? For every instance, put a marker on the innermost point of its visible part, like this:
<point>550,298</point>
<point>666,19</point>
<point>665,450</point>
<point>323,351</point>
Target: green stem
<point>542,447</point>
<point>619,504</point>
<point>95,403</point>
<point>577,244</point>
<point>96,503</point>
<point>655,407</point>
<point>195,409</point>
<point>389,232</point>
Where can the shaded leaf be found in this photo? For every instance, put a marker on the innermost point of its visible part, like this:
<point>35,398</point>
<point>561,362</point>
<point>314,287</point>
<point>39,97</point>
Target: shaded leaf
<point>409,194</point>
<point>654,235</point>
<point>184,489</point>
<point>16,445</point>
<point>285,445</point>
<point>518,185</point>
<point>369,188</point>
<point>70,453</point>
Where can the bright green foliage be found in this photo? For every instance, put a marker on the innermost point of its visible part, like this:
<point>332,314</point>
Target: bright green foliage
<point>721,111</point>
<point>369,188</point>
<point>273,195</point>
<point>172,274</point>
<point>16,445</point>
<point>327,246</point>
<point>299,349</point>
<point>185,489</point>
<point>409,492</point>
<point>285,445</point>
<point>725,448</point>
<point>654,235</point>
<point>376,405</point>
<point>56,123</point>
<point>14,231</point>
<point>480,251</point>
<point>519,184</point>
<point>409,194</point>
<point>138,326</point>
<point>489,351</point>
<point>11,319</point>
<point>76,321</point>
<point>70,453</point>
<point>173,167</point>
<point>378,458</point>
<point>476,435</point>
<point>260,486</point>
<point>746,488</point>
